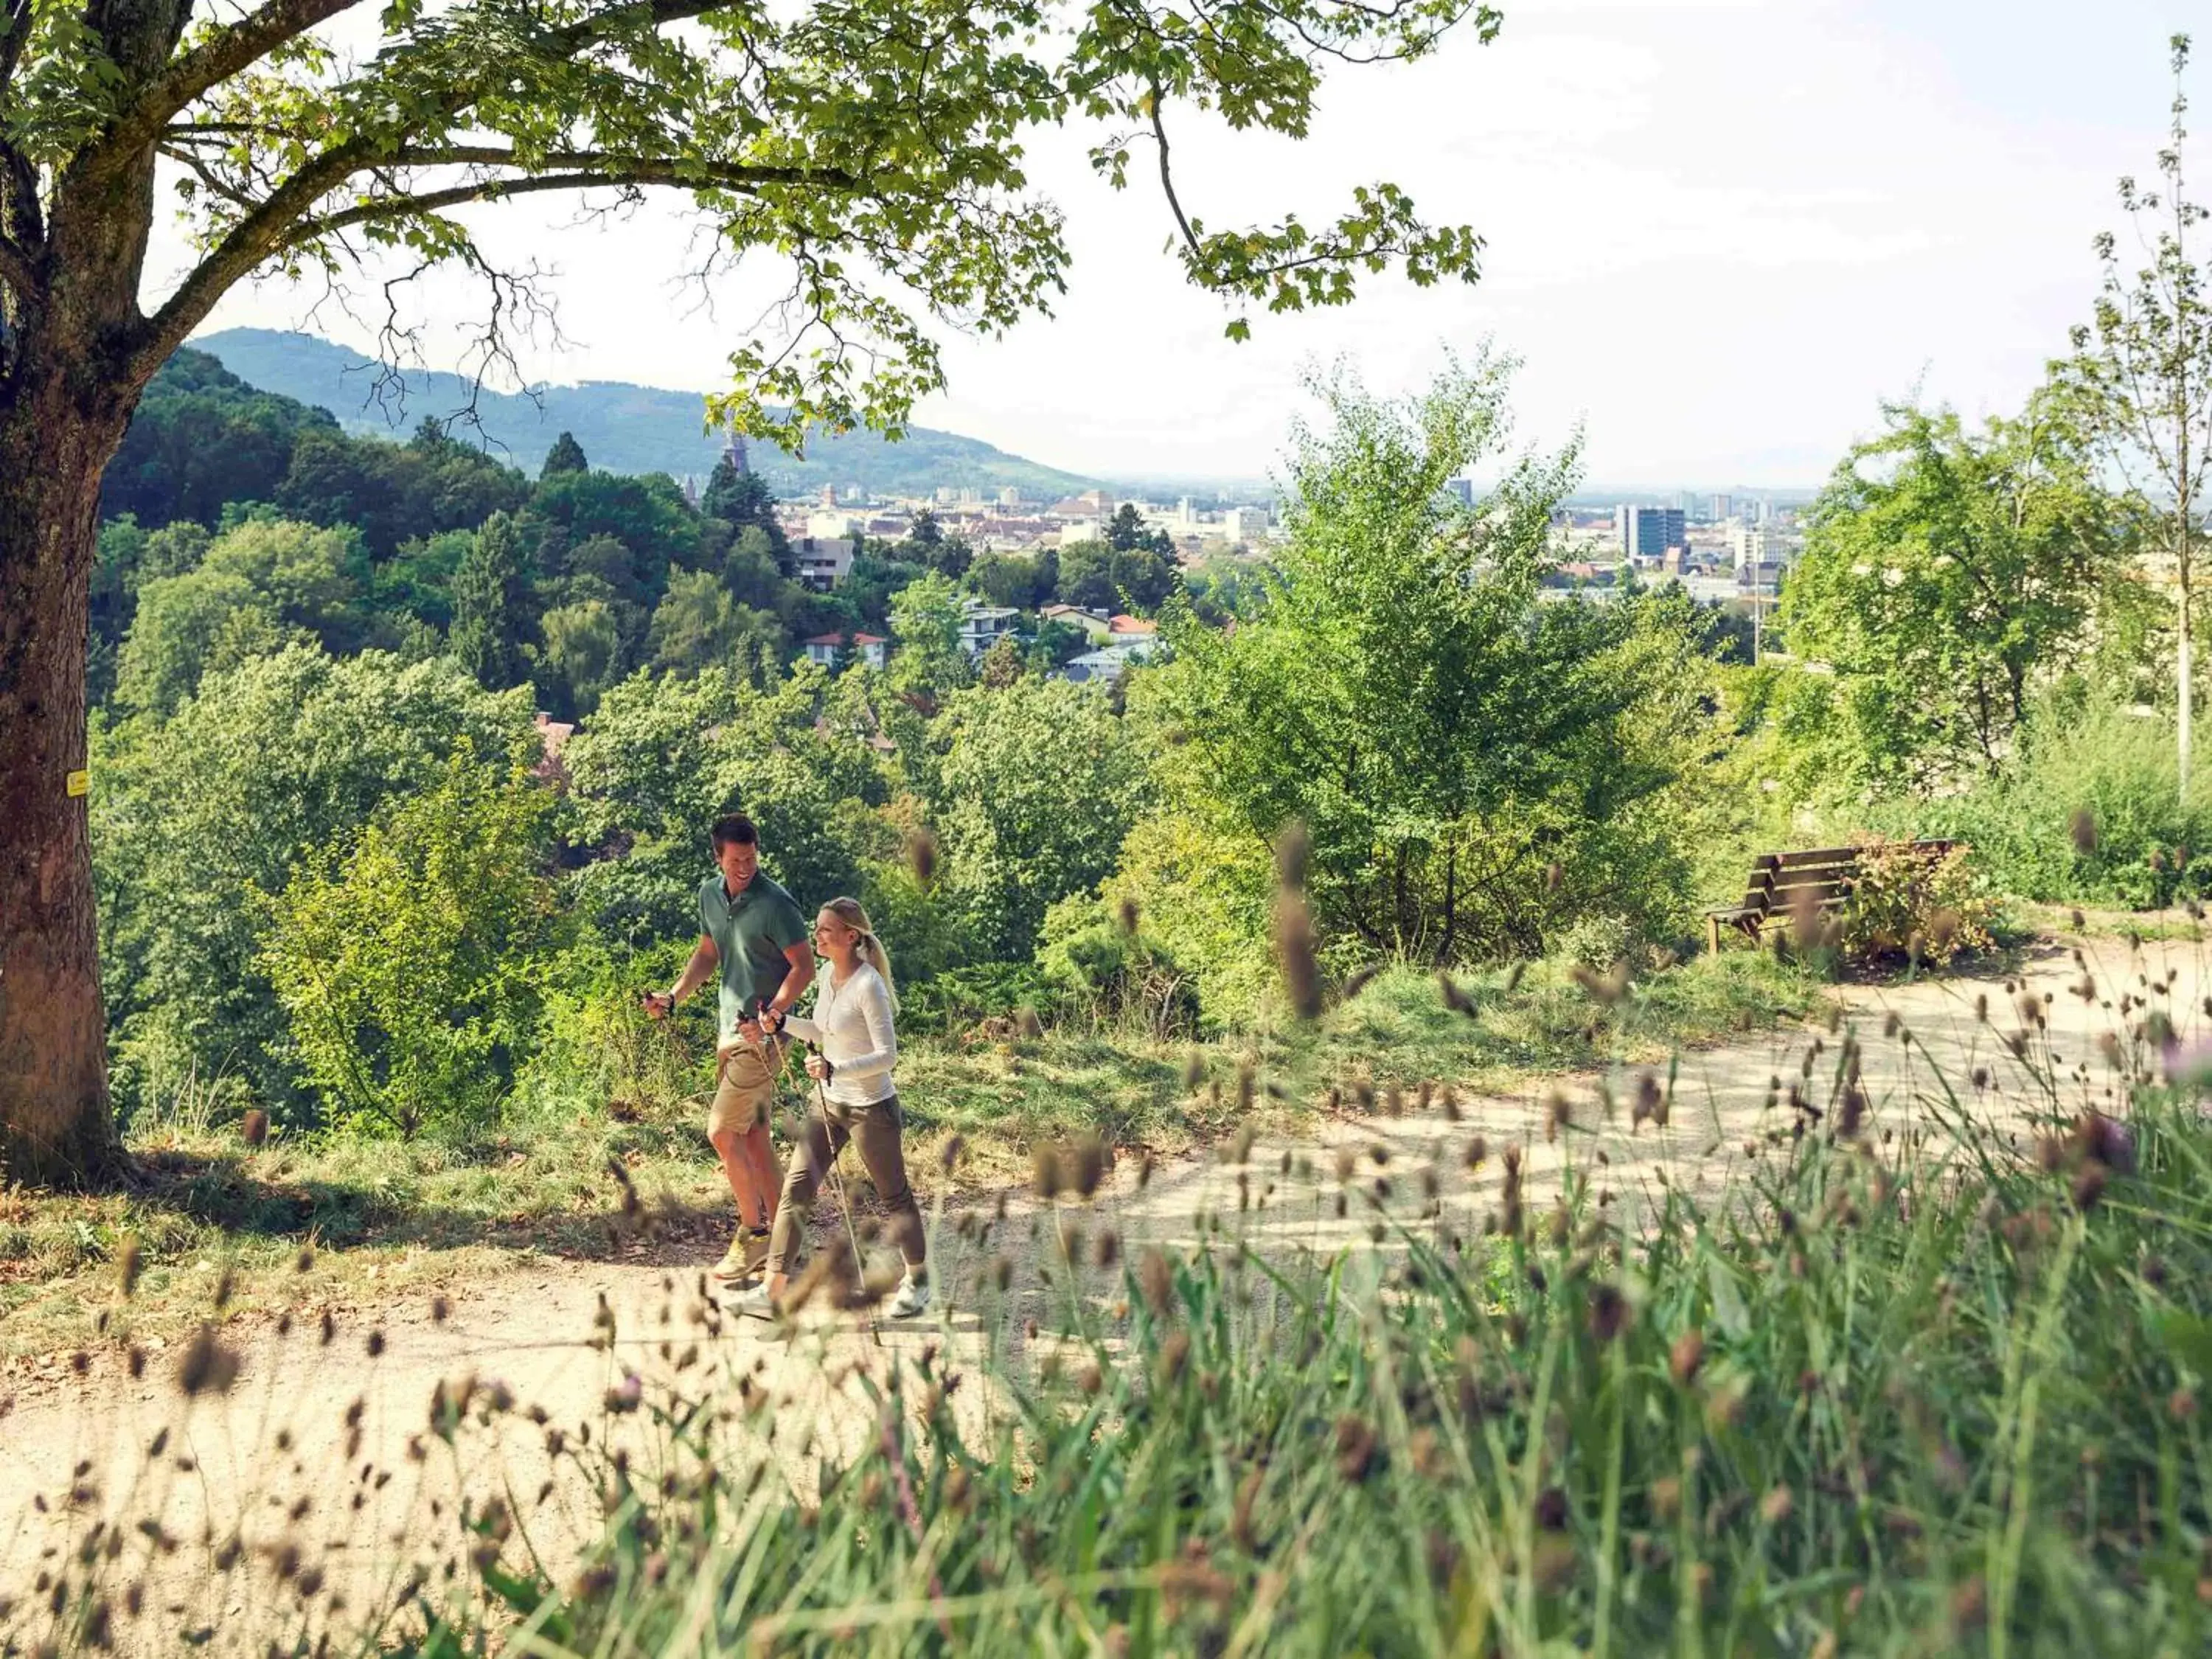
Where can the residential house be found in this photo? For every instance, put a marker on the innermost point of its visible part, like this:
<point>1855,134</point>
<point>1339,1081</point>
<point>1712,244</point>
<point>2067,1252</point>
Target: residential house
<point>982,626</point>
<point>553,735</point>
<point>1104,666</point>
<point>873,649</point>
<point>1098,624</point>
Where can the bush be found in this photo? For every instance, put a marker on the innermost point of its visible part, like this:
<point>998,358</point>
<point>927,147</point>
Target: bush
<point>2091,812</point>
<point>1904,904</point>
<point>412,976</point>
<point>1106,973</point>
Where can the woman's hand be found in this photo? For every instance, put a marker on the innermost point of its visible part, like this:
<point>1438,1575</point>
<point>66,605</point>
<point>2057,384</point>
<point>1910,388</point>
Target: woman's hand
<point>819,1068</point>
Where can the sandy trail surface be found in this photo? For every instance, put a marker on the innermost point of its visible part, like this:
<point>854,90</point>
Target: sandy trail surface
<point>314,1445</point>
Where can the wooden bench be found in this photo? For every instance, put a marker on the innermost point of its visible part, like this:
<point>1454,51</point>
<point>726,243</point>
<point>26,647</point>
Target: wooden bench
<point>1784,884</point>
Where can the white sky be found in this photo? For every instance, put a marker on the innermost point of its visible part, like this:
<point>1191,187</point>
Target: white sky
<point>1718,233</point>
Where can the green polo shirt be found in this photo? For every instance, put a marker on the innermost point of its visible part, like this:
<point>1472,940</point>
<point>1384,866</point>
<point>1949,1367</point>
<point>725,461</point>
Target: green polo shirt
<point>750,932</point>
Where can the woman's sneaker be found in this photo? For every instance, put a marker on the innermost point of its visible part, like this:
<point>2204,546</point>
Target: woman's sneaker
<point>911,1298</point>
<point>752,1302</point>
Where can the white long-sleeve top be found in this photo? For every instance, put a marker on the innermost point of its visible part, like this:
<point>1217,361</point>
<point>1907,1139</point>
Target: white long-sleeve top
<point>851,1026</point>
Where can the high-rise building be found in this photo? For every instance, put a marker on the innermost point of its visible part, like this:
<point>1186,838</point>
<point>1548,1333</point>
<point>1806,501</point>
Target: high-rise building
<point>1722,508</point>
<point>1646,532</point>
<point>1462,488</point>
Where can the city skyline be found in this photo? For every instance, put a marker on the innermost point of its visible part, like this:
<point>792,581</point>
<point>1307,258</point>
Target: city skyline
<point>1718,235</point>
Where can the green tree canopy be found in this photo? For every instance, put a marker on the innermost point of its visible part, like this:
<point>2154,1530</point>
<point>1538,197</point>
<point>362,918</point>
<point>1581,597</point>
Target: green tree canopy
<point>567,455</point>
<point>1038,783</point>
<point>1444,735</point>
<point>926,627</point>
<point>1946,573</point>
<point>491,618</point>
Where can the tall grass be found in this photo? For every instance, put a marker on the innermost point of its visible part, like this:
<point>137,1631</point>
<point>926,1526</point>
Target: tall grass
<point>1913,1389</point>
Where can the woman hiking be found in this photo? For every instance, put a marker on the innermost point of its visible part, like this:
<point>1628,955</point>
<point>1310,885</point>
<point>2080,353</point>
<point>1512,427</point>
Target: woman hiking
<point>854,1050</point>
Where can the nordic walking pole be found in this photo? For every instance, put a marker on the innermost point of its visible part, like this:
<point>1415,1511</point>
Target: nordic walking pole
<point>831,1177</point>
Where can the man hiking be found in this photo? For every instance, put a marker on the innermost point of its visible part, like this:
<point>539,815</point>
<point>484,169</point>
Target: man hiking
<point>755,935</point>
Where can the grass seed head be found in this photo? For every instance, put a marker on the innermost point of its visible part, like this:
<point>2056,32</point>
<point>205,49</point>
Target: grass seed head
<point>133,1262</point>
<point>208,1366</point>
<point>254,1127</point>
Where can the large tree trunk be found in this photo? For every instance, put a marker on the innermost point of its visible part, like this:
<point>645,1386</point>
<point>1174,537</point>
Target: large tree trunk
<point>56,1127</point>
<point>74,358</point>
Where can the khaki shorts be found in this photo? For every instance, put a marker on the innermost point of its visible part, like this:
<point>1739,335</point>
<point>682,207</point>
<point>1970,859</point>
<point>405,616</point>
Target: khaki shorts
<point>744,1088</point>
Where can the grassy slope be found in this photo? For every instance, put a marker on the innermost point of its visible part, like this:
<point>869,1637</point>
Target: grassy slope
<point>383,1214</point>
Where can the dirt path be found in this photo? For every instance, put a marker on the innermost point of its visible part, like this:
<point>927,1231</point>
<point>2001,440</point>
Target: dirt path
<point>294,1452</point>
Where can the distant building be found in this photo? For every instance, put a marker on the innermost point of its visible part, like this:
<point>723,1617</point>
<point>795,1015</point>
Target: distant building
<point>1721,510</point>
<point>1761,578</point>
<point>1646,532</point>
<point>1010,496</point>
<point>553,735</point>
<point>1098,624</point>
<point>828,495</point>
<point>831,525</point>
<point>982,626</point>
<point>1462,490</point>
<point>1245,524</point>
<point>871,649</point>
<point>824,561</point>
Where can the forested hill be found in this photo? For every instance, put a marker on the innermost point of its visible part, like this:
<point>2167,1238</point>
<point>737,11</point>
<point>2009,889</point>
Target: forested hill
<point>624,429</point>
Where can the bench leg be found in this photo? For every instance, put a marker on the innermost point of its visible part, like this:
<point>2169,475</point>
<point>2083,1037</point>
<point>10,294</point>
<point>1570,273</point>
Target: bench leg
<point>1713,934</point>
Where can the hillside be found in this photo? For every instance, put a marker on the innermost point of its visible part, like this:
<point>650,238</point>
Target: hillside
<point>623,427</point>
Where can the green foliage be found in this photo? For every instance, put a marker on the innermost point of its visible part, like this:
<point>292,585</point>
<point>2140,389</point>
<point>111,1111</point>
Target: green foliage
<point>1903,905</point>
<point>412,973</point>
<point>200,438</point>
<point>1024,581</point>
<point>567,455</point>
<point>1947,576</point>
<point>928,657</point>
<point>393,494</point>
<point>490,606</point>
<point>663,757</point>
<point>1036,785</point>
<point>697,625</point>
<point>582,653</point>
<point>1475,767</point>
<point>1103,973</point>
<point>260,582</point>
<point>2091,812</point>
<point>1101,576</point>
<point>198,819</point>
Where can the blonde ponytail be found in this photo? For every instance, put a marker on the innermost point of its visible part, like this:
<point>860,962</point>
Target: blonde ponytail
<point>872,952</point>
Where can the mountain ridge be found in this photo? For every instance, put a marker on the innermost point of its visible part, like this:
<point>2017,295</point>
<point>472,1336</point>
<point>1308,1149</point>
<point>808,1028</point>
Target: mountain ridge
<point>622,427</point>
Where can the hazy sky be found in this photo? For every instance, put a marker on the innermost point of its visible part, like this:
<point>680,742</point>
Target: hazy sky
<point>1718,234</point>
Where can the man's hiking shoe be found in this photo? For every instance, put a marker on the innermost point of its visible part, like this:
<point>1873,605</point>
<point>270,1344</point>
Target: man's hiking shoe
<point>752,1302</point>
<point>743,1259</point>
<point>910,1299</point>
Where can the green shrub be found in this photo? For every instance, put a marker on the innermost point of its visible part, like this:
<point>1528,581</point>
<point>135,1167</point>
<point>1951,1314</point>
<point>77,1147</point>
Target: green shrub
<point>2090,811</point>
<point>1107,972</point>
<point>412,974</point>
<point>1905,905</point>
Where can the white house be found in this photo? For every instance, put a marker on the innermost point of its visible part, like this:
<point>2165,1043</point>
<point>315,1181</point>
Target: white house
<point>982,626</point>
<point>871,649</point>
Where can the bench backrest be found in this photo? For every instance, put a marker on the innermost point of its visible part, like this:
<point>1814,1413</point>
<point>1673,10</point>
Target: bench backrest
<point>1822,876</point>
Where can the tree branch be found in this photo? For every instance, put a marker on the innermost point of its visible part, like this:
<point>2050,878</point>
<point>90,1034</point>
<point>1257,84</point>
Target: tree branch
<point>254,239</point>
<point>214,60</point>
